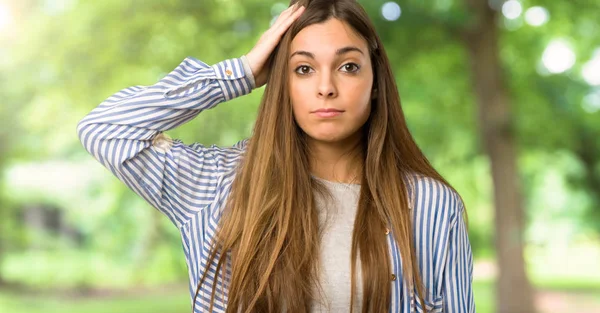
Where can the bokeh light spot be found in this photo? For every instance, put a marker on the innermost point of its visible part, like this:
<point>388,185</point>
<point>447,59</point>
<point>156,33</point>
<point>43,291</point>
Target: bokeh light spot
<point>512,9</point>
<point>537,16</point>
<point>558,57</point>
<point>391,11</point>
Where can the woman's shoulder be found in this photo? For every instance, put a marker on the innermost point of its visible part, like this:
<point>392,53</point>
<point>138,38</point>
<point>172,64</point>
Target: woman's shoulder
<point>215,150</point>
<point>430,198</point>
<point>216,159</point>
<point>242,144</point>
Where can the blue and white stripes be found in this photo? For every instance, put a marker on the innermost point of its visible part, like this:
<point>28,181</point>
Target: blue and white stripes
<point>190,183</point>
<point>442,247</point>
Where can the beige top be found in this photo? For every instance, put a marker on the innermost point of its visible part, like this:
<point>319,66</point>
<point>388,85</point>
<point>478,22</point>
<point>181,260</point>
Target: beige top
<point>338,219</point>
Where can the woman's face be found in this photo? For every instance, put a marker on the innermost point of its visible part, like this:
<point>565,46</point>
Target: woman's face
<point>331,81</point>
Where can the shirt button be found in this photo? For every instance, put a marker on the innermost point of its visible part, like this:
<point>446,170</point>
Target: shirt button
<point>387,231</point>
<point>228,72</point>
<point>393,277</point>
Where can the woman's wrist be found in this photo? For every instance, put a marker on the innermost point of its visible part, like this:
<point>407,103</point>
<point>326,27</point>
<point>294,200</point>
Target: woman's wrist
<point>248,71</point>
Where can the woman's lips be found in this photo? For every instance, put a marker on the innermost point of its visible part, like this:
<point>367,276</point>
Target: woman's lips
<point>326,113</point>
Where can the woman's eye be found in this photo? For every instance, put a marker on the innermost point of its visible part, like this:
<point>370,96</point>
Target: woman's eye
<point>351,67</point>
<point>303,69</point>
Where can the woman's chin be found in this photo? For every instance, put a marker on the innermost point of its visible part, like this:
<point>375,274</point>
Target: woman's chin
<point>328,137</point>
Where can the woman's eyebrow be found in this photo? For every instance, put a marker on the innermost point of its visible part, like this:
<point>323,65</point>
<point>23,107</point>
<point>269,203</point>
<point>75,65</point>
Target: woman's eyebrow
<point>338,52</point>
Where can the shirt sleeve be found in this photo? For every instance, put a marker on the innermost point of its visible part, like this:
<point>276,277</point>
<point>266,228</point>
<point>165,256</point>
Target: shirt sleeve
<point>442,247</point>
<point>125,134</point>
<point>458,274</point>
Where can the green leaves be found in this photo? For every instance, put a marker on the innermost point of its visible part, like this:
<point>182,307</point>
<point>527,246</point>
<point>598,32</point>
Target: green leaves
<point>65,62</point>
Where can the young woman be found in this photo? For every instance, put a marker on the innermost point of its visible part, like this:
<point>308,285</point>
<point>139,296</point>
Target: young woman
<point>329,206</point>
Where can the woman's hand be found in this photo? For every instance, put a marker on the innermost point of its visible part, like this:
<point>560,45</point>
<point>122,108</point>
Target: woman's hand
<point>258,56</point>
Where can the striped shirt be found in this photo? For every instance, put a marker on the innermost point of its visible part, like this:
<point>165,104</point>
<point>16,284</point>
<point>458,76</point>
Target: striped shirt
<point>190,183</point>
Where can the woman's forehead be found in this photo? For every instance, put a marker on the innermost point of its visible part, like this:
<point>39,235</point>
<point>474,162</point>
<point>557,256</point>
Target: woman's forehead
<point>327,37</point>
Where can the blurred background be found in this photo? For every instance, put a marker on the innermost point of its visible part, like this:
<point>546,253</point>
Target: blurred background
<point>502,96</point>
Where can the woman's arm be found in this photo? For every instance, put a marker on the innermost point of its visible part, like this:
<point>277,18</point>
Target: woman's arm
<point>125,133</point>
<point>442,245</point>
<point>458,274</point>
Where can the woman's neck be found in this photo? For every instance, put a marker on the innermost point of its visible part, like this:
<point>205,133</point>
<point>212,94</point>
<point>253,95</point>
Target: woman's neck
<point>337,162</point>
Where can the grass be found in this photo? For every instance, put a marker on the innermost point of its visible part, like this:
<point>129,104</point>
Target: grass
<point>168,302</point>
<point>176,300</point>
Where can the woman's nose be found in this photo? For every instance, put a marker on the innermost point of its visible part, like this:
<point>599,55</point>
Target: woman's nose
<point>327,88</point>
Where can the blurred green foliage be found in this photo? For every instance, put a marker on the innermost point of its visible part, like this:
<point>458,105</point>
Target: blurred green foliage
<point>59,59</point>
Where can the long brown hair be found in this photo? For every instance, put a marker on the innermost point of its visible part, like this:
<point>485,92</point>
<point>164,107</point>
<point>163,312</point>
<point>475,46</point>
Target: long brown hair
<point>269,231</point>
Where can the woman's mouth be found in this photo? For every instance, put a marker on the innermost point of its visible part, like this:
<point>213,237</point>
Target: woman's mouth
<point>327,113</point>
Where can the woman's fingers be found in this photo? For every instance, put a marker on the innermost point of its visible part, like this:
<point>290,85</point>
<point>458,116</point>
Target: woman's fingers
<point>258,56</point>
<point>288,20</point>
<point>289,13</point>
<point>280,18</point>
<point>272,36</point>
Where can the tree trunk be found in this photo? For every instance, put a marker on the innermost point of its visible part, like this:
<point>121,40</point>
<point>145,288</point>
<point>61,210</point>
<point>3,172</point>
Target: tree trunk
<point>513,291</point>
<point>587,153</point>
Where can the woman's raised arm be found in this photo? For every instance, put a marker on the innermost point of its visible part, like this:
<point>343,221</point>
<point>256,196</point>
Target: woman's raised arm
<point>125,132</point>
